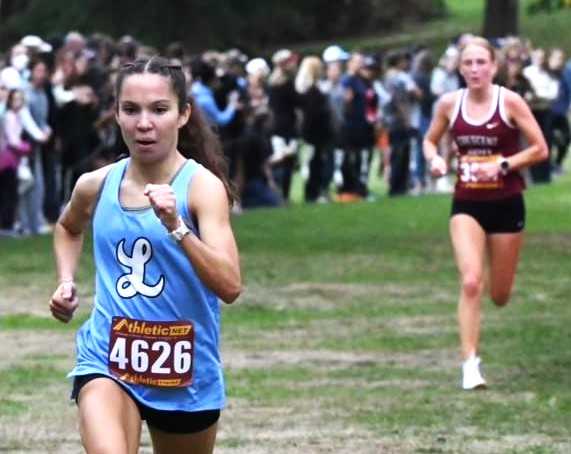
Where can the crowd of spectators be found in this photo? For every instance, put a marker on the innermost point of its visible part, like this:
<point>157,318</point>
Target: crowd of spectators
<point>321,116</point>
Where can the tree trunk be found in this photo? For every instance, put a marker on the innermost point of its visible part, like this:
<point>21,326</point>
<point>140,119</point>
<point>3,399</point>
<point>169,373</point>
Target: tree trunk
<point>501,18</point>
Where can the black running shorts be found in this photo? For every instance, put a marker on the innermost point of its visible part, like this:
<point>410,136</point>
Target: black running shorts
<point>495,216</point>
<point>170,421</point>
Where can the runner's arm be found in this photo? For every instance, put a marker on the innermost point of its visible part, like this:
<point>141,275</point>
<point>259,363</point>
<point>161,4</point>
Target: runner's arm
<point>520,114</point>
<point>68,242</point>
<point>437,129</point>
<point>438,126</point>
<point>214,255</point>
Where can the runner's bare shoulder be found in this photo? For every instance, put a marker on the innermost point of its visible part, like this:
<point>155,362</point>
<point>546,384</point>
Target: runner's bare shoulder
<point>447,102</point>
<point>86,191</point>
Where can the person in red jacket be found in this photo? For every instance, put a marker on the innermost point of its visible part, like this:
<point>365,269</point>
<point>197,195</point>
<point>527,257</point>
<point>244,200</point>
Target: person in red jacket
<point>488,213</point>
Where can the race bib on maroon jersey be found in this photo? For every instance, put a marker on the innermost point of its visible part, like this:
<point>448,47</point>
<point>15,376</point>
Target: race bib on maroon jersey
<point>467,172</point>
<point>151,353</point>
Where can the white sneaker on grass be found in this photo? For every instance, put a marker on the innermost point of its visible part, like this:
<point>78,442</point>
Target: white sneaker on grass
<point>471,376</point>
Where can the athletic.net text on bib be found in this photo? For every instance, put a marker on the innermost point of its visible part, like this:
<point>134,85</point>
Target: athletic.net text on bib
<point>151,353</point>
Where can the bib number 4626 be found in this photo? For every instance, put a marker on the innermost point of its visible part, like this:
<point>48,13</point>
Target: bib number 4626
<point>138,355</point>
<point>151,353</point>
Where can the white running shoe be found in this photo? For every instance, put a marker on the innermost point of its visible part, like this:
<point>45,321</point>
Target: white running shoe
<point>471,376</point>
<point>338,178</point>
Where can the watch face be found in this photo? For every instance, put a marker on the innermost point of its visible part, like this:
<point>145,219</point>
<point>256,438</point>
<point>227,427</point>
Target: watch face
<point>179,233</point>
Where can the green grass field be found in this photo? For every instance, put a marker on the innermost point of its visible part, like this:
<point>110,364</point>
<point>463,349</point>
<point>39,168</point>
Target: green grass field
<point>344,339</point>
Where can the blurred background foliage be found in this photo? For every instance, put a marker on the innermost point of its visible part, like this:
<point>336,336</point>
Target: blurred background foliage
<point>252,25</point>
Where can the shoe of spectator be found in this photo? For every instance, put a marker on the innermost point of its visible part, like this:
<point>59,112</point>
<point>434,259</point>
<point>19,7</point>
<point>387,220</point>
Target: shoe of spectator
<point>348,197</point>
<point>338,178</point>
<point>471,375</point>
<point>236,208</point>
<point>45,229</point>
<point>417,190</point>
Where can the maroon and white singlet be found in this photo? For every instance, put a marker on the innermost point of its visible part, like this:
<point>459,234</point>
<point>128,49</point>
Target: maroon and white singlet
<point>484,141</point>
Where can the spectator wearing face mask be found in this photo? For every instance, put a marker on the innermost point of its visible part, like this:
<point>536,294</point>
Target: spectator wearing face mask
<point>15,75</point>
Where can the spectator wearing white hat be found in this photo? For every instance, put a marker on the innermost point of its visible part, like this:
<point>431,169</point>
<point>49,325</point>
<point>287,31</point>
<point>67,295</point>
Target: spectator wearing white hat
<point>36,44</point>
<point>31,202</point>
<point>283,103</point>
<point>335,58</point>
<point>334,53</point>
<point>258,71</point>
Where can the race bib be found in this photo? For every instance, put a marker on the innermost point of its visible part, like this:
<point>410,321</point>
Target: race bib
<point>151,353</point>
<point>467,172</point>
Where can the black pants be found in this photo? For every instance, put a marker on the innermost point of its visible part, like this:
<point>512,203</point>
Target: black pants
<point>8,198</point>
<point>400,161</point>
<point>283,174</point>
<point>316,184</point>
<point>52,201</point>
<point>561,136</point>
<point>541,172</point>
<point>355,169</point>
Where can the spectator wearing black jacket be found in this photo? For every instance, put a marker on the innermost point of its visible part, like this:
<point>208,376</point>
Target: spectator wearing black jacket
<point>283,103</point>
<point>316,127</point>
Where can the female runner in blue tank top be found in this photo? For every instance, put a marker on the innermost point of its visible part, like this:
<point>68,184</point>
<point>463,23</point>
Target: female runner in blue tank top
<point>164,253</point>
<point>488,214</point>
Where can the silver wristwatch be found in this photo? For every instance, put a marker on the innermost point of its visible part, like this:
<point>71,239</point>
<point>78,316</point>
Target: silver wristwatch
<point>180,232</point>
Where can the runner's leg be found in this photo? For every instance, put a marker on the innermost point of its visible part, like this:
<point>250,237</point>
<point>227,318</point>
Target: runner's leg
<point>504,251</point>
<point>469,244</point>
<point>109,420</point>
<point>196,443</point>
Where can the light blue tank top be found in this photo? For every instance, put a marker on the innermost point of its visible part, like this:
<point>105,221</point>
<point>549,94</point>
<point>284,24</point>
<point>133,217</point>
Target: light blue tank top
<point>142,274</point>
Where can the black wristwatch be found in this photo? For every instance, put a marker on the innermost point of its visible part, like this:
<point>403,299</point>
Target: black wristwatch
<point>504,166</point>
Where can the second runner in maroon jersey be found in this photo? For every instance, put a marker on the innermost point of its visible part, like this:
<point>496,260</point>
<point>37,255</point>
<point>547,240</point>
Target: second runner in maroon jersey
<point>484,141</point>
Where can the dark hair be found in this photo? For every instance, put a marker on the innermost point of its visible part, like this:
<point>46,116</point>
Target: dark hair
<point>175,50</point>
<point>196,139</point>
<point>127,48</point>
<point>10,97</point>
<point>39,61</point>
<point>203,71</point>
<point>395,57</point>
